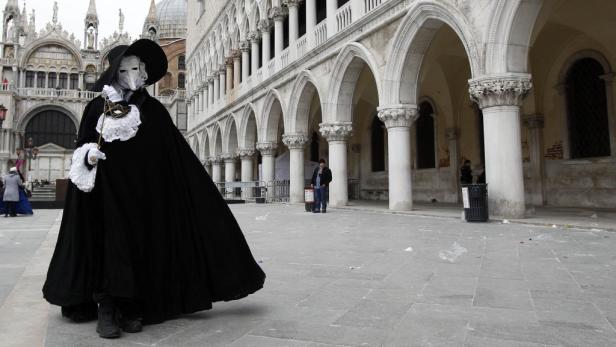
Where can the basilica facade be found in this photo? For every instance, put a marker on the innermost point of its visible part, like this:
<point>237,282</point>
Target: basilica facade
<point>396,94</point>
<point>46,77</point>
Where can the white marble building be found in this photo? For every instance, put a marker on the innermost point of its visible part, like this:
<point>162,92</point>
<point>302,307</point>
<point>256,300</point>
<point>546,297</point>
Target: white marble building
<point>397,93</point>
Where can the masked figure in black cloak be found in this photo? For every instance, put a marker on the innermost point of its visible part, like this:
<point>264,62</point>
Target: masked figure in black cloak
<point>145,233</point>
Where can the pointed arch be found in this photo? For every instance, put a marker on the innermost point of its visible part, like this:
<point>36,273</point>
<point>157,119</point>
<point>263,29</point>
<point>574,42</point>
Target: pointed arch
<point>230,135</point>
<point>272,114</point>
<point>411,42</point>
<point>248,125</point>
<point>205,151</point>
<point>304,88</point>
<point>347,68</point>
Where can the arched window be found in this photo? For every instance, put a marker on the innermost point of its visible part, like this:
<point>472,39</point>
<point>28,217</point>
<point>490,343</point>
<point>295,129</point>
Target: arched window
<point>182,62</point>
<point>40,79</point>
<point>377,140</point>
<point>181,81</point>
<point>52,126</point>
<point>52,80</point>
<point>29,79</point>
<point>425,137</point>
<point>587,110</point>
<point>314,147</point>
<point>63,82</point>
<point>74,81</point>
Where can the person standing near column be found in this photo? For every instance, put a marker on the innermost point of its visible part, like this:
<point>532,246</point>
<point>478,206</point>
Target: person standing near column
<point>321,177</point>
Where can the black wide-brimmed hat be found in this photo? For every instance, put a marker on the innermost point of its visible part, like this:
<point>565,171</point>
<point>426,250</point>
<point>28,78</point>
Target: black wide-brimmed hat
<point>147,50</point>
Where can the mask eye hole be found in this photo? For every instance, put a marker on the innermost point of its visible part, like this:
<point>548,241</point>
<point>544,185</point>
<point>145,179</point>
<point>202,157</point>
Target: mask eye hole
<point>135,68</point>
<point>122,71</point>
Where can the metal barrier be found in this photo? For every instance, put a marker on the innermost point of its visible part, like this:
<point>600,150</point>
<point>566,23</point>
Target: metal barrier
<point>278,191</point>
<point>274,191</point>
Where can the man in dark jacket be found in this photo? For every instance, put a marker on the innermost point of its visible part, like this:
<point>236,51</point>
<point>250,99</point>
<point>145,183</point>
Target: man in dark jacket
<point>321,177</point>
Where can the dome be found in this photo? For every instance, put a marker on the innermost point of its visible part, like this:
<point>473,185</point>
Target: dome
<point>172,19</point>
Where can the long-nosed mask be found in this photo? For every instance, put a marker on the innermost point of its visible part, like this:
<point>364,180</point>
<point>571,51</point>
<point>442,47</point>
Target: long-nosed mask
<point>131,74</point>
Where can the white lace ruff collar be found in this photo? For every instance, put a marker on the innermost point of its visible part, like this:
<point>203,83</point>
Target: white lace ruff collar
<point>122,129</point>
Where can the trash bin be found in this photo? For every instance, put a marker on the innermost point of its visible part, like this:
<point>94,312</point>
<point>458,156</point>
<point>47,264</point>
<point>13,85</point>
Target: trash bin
<point>475,200</point>
<point>309,199</point>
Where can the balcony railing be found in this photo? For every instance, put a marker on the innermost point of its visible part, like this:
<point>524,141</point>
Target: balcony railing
<point>320,33</point>
<point>7,61</point>
<point>284,58</point>
<point>271,67</point>
<point>343,16</point>
<point>56,93</point>
<point>301,46</point>
<point>370,5</point>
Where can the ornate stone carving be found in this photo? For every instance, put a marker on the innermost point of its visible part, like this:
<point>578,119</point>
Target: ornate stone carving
<point>500,91</point>
<point>400,116</point>
<point>254,36</point>
<point>236,54</point>
<point>245,153</point>
<point>292,3</point>
<point>215,159</point>
<point>229,61</point>
<point>229,157</point>
<point>295,141</point>
<point>336,131</point>
<point>245,46</point>
<point>265,25</point>
<point>267,148</point>
<point>278,13</point>
<point>222,69</point>
<point>452,134</point>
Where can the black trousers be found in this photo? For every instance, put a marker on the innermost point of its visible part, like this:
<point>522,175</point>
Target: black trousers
<point>11,208</point>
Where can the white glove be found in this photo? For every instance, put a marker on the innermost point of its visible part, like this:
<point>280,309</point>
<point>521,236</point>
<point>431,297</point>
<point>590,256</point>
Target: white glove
<point>94,155</point>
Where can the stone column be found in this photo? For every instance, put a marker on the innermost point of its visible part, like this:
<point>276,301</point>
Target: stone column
<point>293,6</point>
<point>535,123</point>
<point>237,69</point>
<point>311,19</point>
<point>254,37</point>
<point>452,135</point>
<point>230,159</point>
<point>611,109</point>
<point>296,144</point>
<point>217,80</point>
<point>398,119</point>
<point>337,135</point>
<point>277,14</point>
<point>331,6</point>
<point>80,82</point>
<point>264,26</point>
<point>500,98</point>
<point>222,80</point>
<point>207,164</point>
<point>203,97</point>
<point>247,158</point>
<point>229,75</point>
<point>245,49</point>
<point>211,90</point>
<point>216,169</point>
<point>268,160</point>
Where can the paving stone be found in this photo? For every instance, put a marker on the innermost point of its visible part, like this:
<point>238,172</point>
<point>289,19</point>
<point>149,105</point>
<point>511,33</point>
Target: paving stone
<point>503,293</point>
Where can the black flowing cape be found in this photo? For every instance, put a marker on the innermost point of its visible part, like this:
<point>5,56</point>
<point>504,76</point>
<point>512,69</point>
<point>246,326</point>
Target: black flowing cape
<point>155,229</point>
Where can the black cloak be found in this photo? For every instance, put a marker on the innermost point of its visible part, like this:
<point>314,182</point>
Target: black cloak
<point>154,229</point>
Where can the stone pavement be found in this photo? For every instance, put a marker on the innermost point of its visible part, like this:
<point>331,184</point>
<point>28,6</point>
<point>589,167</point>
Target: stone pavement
<point>355,278</point>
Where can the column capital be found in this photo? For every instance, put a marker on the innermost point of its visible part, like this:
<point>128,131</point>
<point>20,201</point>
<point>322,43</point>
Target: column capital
<point>215,75</point>
<point>336,131</point>
<point>452,133</point>
<point>265,25</point>
<point>295,141</point>
<point>534,121</point>
<point>235,54</point>
<point>278,13</point>
<point>254,36</point>
<point>229,157</point>
<point>267,148</point>
<point>506,90</point>
<point>245,153</point>
<point>206,162</point>
<point>398,116</point>
<point>215,159</point>
<point>245,46</point>
<point>292,3</point>
<point>228,61</point>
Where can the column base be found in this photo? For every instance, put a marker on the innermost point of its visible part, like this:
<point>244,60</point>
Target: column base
<point>506,209</point>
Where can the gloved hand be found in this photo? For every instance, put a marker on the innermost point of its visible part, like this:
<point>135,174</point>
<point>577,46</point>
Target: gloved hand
<point>94,155</point>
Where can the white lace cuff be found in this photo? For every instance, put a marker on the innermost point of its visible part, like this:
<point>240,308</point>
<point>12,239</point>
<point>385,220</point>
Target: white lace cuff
<point>82,176</point>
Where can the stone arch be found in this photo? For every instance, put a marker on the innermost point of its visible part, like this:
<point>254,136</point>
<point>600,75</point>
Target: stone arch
<point>230,135</point>
<point>206,144</point>
<point>248,127</point>
<point>272,114</point>
<point>587,53</point>
<point>510,34</point>
<point>346,71</point>
<point>216,140</point>
<point>304,88</point>
<point>412,41</point>
<point>35,110</point>
<point>36,46</point>
<point>195,146</point>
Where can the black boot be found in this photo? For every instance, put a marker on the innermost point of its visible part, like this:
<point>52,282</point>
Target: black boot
<point>107,326</point>
<point>130,320</point>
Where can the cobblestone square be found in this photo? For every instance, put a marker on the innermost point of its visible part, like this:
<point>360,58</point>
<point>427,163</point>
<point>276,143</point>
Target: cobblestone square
<point>353,278</point>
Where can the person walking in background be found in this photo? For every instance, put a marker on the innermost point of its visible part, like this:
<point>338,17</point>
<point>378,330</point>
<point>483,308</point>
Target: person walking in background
<point>12,183</point>
<point>321,177</point>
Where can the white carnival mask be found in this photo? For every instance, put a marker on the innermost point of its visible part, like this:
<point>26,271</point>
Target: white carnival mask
<point>131,73</point>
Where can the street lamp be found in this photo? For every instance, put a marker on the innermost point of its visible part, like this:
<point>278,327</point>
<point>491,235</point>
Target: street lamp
<point>2,114</point>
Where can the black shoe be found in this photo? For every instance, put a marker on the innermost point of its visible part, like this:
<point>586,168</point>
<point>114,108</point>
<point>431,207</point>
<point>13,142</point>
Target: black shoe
<point>107,326</point>
<point>132,325</point>
<point>324,211</point>
<point>316,211</point>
